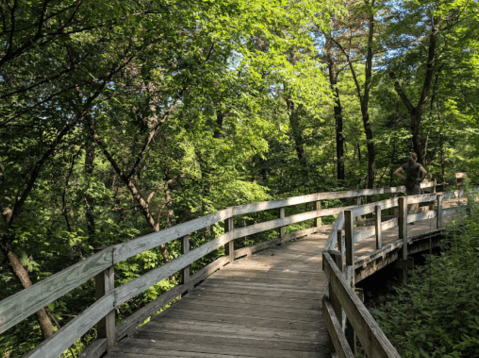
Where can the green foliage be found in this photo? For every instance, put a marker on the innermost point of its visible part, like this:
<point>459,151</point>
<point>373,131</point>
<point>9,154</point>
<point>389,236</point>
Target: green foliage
<point>436,313</point>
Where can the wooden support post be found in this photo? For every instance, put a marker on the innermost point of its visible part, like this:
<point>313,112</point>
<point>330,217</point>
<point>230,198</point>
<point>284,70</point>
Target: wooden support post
<point>318,221</point>
<point>440,222</point>
<point>402,221</point>
<point>349,238</point>
<point>341,249</point>
<point>104,283</point>
<point>359,202</point>
<point>377,210</point>
<point>281,229</point>
<point>185,248</point>
<point>394,210</point>
<point>336,256</point>
<point>434,190</point>
<point>230,246</point>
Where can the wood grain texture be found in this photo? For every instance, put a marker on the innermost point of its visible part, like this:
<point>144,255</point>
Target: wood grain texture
<point>128,325</point>
<point>134,247</point>
<point>273,242</point>
<point>372,338</point>
<point>95,349</point>
<point>135,287</point>
<point>62,339</point>
<point>338,338</point>
<point>332,237</point>
<point>19,306</point>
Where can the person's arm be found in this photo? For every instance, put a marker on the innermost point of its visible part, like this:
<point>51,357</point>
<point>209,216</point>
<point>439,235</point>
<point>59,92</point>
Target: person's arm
<point>398,173</point>
<point>423,172</point>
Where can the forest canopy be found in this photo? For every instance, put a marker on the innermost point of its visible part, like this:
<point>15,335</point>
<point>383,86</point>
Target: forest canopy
<point>119,118</point>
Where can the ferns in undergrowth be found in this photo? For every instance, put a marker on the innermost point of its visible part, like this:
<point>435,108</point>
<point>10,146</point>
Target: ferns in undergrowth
<point>436,315</point>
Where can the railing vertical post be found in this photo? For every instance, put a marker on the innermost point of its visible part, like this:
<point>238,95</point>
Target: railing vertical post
<point>434,189</point>
<point>185,248</point>
<point>394,210</point>
<point>348,230</point>
<point>318,221</point>
<point>440,222</point>
<point>341,249</point>
<point>349,236</point>
<point>104,283</point>
<point>230,246</point>
<point>377,210</point>
<point>281,229</point>
<point>359,202</point>
<point>402,221</point>
<point>338,310</point>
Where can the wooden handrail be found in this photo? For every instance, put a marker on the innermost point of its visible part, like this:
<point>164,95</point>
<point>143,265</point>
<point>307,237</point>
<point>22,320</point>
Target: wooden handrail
<point>340,289</point>
<point>19,306</point>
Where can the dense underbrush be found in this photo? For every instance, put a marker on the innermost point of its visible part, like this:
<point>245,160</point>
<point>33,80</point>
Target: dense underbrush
<point>436,314</point>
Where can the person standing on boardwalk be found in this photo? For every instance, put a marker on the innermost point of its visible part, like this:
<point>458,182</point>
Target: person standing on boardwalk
<point>415,173</point>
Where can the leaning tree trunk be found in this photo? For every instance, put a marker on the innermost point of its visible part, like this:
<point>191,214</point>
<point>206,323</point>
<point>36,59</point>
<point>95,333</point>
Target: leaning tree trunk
<point>22,274</point>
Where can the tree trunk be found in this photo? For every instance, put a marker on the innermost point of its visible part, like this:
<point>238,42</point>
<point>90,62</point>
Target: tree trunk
<point>365,102</point>
<point>338,110</point>
<point>294,112</point>
<point>415,112</point>
<point>22,274</point>
<point>89,205</point>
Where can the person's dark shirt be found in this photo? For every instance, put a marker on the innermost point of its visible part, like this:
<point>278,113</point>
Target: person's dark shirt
<point>415,169</point>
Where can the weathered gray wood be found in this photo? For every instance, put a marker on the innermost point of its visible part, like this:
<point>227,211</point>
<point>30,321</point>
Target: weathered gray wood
<point>372,338</point>
<point>134,247</point>
<point>282,228</point>
<point>135,287</point>
<point>234,317</point>
<point>276,204</point>
<point>231,330</point>
<point>421,216</point>
<point>333,237</point>
<point>341,249</point>
<point>128,325</point>
<point>229,246</point>
<point>369,208</point>
<point>273,242</point>
<point>185,248</point>
<point>454,194</point>
<point>393,210</point>
<point>317,221</point>
<point>423,198</point>
<point>378,227</point>
<point>19,306</point>
<point>293,219</point>
<point>440,221</point>
<point>349,236</point>
<point>453,211</point>
<point>363,233</point>
<point>62,339</point>
<point>336,333</point>
<point>402,221</point>
<point>217,345</point>
<point>95,349</point>
<point>104,284</point>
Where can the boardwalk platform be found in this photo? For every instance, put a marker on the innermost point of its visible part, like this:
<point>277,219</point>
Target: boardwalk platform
<point>266,305</point>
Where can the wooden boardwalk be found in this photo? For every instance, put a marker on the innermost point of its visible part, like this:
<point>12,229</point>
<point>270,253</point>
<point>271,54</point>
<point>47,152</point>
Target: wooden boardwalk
<point>266,305</point>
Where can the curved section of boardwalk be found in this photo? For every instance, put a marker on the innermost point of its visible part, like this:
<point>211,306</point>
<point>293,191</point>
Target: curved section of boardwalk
<point>267,305</point>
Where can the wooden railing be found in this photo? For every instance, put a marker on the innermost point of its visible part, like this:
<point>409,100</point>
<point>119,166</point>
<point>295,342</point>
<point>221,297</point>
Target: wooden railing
<point>21,305</point>
<point>344,313</point>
